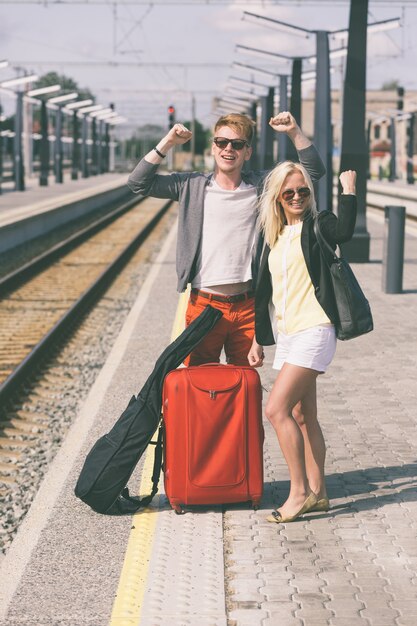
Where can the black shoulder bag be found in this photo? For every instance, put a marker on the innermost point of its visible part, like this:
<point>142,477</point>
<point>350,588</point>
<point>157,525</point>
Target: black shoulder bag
<point>354,312</point>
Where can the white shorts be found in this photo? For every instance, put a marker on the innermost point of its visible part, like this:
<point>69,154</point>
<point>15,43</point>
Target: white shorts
<point>313,348</point>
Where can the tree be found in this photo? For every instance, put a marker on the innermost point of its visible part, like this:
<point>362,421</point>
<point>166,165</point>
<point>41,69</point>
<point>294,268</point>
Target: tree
<point>67,85</point>
<point>201,137</point>
<point>390,85</point>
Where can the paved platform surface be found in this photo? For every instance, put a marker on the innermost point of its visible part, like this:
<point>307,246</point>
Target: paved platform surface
<point>17,205</point>
<point>355,565</point>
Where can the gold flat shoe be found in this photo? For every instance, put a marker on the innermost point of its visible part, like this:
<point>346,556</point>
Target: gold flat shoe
<point>308,505</point>
<point>322,504</point>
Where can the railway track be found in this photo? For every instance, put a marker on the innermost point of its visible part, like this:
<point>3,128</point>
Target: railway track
<point>45,364</point>
<point>41,300</point>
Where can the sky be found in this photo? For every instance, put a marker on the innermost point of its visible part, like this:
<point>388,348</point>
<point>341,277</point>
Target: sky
<point>144,56</point>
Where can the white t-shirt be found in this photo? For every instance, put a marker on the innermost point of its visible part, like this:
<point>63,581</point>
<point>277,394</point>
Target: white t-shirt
<point>228,236</point>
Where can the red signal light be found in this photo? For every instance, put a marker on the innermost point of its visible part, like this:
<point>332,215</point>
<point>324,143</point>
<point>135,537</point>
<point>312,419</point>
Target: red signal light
<point>171,116</point>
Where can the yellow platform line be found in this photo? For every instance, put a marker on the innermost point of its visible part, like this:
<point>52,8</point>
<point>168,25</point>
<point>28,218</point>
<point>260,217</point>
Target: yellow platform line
<point>128,603</point>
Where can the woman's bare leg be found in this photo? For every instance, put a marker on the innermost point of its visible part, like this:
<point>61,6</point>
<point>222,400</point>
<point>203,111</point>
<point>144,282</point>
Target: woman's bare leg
<point>292,384</point>
<point>305,414</point>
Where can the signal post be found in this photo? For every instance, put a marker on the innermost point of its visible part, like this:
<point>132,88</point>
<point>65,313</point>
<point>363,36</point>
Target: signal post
<point>171,122</point>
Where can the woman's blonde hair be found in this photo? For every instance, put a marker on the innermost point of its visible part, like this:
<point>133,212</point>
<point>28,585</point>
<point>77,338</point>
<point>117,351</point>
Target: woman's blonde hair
<point>271,213</point>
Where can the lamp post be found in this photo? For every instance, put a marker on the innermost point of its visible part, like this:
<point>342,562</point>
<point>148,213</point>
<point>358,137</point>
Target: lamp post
<point>84,147</point>
<point>75,157</point>
<point>94,155</point>
<point>44,147</point>
<point>44,142</point>
<point>322,118</point>
<point>100,146</point>
<point>19,170</point>
<point>262,151</point>
<point>102,116</point>
<point>285,148</point>
<point>323,132</point>
<point>18,165</point>
<point>75,160</point>
<point>266,139</point>
<point>85,111</point>
<point>107,147</point>
<point>283,102</point>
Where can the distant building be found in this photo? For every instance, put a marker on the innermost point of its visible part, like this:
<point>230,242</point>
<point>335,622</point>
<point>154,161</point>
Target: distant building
<point>381,113</point>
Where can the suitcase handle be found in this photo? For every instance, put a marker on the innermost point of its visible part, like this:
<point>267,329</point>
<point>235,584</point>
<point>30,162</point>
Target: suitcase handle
<point>222,365</point>
<point>225,382</point>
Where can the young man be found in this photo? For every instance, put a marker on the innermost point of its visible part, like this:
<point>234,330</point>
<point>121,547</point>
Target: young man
<point>218,245</point>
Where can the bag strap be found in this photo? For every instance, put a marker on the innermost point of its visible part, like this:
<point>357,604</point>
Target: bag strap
<point>324,245</point>
<point>126,503</point>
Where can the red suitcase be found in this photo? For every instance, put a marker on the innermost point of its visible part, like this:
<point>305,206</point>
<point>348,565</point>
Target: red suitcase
<point>213,435</point>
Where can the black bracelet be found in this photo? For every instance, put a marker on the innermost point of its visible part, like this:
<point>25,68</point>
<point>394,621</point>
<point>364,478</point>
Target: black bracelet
<point>160,153</point>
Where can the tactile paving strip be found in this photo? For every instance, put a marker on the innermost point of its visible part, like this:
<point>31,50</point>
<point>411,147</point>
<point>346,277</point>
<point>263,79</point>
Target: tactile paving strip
<point>185,584</point>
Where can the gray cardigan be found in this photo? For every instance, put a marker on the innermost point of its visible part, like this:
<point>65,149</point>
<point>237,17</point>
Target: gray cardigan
<point>188,188</point>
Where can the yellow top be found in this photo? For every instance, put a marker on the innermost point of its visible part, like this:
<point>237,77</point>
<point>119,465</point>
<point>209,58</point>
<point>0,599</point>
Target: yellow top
<point>296,305</point>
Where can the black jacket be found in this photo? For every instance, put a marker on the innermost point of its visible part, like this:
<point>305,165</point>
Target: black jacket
<point>336,230</point>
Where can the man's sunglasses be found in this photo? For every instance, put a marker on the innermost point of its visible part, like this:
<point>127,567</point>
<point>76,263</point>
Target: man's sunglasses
<point>289,194</point>
<point>237,144</point>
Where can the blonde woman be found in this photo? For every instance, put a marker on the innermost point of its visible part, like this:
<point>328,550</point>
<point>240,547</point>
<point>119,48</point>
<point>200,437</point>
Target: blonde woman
<point>295,280</point>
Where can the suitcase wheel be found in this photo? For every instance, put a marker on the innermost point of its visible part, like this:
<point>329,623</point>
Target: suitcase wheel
<point>178,509</point>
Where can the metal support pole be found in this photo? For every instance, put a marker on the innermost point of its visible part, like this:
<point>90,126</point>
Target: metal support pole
<point>368,143</point>
<point>107,148</point>
<point>19,170</point>
<point>193,131</point>
<point>253,163</point>
<point>112,152</point>
<point>94,155</point>
<point>75,165</point>
<point>393,152</point>
<point>295,105</point>
<point>100,147</point>
<point>283,106</point>
<point>84,148</point>
<point>267,138</point>
<point>27,138</point>
<point>58,147</point>
<point>1,147</point>
<point>410,149</point>
<point>323,120</point>
<point>393,255</point>
<point>44,146</point>
<point>354,149</point>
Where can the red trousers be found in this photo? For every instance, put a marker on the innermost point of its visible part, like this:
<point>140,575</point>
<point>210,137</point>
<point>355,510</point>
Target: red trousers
<point>234,331</point>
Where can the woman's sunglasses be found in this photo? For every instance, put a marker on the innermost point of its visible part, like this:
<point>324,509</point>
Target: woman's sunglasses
<point>237,144</point>
<point>289,194</point>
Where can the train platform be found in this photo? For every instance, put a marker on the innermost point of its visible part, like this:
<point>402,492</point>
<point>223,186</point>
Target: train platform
<point>227,566</point>
<point>25,215</point>
<point>15,205</point>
